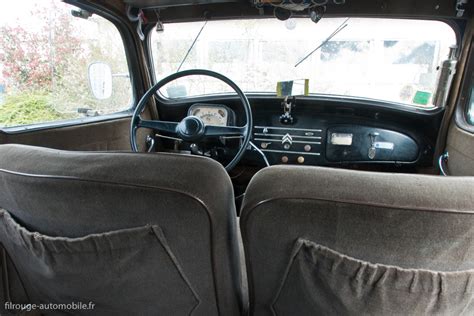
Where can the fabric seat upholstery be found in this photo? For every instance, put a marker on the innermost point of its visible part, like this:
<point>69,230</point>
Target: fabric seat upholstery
<point>373,221</point>
<point>110,204</point>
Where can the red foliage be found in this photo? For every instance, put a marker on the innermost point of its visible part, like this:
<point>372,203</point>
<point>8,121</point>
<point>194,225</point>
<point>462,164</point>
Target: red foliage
<point>32,58</point>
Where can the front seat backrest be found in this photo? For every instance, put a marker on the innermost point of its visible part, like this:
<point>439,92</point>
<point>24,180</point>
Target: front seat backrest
<point>148,234</point>
<point>332,241</point>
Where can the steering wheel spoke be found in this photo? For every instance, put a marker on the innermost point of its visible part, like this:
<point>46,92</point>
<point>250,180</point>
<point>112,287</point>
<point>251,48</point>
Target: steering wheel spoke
<point>162,126</point>
<point>216,131</point>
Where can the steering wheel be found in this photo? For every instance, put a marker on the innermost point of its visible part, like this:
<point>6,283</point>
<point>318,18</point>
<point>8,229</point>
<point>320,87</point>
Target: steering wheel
<point>192,128</point>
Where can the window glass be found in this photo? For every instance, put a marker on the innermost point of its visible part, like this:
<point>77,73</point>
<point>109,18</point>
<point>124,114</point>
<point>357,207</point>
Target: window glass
<point>385,59</point>
<point>46,55</point>
<point>470,108</point>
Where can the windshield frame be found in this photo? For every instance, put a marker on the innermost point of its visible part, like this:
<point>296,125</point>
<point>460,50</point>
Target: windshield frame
<point>452,23</point>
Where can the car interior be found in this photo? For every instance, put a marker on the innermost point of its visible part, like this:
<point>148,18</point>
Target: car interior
<point>237,157</point>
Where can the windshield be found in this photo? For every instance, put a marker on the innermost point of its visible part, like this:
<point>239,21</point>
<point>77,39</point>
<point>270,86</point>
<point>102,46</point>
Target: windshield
<point>385,59</point>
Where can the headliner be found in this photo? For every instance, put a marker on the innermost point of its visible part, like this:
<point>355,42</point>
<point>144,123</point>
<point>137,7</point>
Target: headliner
<point>187,10</point>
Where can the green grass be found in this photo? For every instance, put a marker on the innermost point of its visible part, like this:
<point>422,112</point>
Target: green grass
<point>28,108</point>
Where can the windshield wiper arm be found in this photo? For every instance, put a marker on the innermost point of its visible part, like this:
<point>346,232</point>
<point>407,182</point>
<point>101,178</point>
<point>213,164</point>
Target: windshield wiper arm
<point>192,45</point>
<point>339,28</point>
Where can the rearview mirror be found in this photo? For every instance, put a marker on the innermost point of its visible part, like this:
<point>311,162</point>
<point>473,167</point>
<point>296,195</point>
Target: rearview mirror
<point>176,91</point>
<point>293,88</point>
<point>100,80</point>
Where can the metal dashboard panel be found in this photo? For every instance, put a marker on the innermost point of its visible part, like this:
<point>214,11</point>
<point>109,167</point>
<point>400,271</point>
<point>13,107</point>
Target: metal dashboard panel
<point>342,143</point>
<point>290,145</point>
<point>371,145</point>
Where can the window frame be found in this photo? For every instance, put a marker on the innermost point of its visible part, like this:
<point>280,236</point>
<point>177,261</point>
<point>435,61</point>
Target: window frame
<point>133,68</point>
<point>457,27</point>
<point>464,101</point>
<point>469,102</point>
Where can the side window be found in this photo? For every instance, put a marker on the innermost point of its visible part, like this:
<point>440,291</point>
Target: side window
<point>470,107</point>
<point>59,63</point>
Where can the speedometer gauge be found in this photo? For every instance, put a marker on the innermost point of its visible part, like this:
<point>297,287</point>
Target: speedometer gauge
<point>210,114</point>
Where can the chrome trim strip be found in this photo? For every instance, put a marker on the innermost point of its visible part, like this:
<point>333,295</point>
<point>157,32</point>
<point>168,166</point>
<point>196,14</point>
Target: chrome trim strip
<point>290,128</point>
<point>295,141</point>
<point>169,137</point>
<point>290,152</point>
<point>293,136</point>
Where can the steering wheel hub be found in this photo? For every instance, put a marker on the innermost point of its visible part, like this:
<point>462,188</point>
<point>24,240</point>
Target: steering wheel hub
<point>191,128</point>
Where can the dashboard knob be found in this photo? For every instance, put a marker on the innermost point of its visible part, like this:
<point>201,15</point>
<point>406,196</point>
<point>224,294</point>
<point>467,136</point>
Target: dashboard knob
<point>194,148</point>
<point>284,159</point>
<point>300,159</point>
<point>372,152</point>
<point>307,148</point>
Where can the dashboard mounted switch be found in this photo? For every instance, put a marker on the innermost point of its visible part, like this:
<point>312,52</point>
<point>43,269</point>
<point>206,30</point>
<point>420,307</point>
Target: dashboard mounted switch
<point>372,148</point>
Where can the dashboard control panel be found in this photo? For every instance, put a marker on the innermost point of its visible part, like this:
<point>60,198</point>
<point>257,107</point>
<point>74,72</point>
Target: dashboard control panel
<point>334,144</point>
<point>288,145</point>
<point>349,143</point>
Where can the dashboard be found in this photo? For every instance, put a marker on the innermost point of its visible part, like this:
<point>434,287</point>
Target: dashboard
<point>322,132</point>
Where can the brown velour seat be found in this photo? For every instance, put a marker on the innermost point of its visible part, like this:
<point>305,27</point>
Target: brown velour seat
<point>322,241</point>
<point>134,234</point>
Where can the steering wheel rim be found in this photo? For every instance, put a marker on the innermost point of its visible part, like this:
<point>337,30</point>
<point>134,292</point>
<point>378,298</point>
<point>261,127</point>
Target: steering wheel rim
<point>209,130</point>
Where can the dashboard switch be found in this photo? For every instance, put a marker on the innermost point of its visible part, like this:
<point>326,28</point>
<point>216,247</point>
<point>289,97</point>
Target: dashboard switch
<point>300,159</point>
<point>284,159</point>
<point>372,153</point>
<point>307,148</point>
<point>372,149</point>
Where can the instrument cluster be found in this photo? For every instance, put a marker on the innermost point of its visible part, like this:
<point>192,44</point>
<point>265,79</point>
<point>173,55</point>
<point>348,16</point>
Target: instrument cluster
<point>212,114</point>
